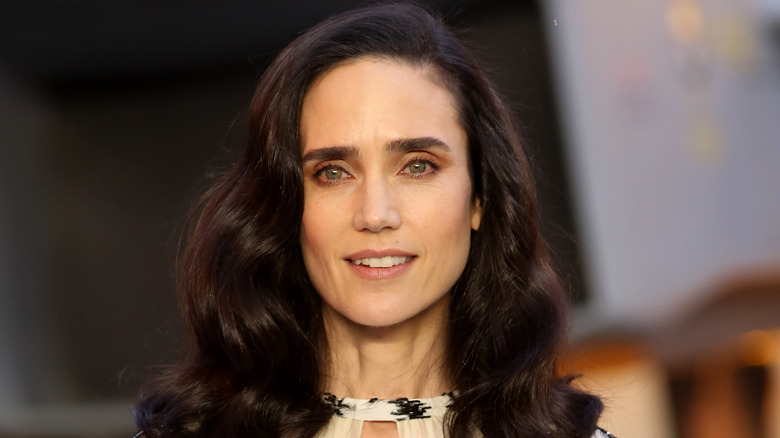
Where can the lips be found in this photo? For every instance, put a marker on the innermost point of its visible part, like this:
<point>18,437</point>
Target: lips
<point>382,262</point>
<point>378,254</point>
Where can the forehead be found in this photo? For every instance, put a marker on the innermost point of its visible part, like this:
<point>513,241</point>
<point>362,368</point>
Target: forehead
<point>369,97</point>
<point>429,71</point>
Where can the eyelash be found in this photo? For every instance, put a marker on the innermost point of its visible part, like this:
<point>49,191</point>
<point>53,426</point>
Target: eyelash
<point>319,171</point>
<point>431,168</point>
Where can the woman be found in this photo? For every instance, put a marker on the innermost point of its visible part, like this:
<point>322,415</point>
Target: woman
<point>376,246</point>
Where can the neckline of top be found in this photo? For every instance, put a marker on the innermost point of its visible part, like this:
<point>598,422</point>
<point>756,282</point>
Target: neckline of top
<point>398,409</point>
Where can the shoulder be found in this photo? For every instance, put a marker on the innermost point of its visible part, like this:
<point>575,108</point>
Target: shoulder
<point>601,433</point>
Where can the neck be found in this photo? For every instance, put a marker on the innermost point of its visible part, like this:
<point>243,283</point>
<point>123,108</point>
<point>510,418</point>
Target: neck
<point>402,360</point>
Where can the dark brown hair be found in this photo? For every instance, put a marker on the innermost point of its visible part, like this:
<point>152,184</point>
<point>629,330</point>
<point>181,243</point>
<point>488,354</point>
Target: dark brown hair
<point>253,317</point>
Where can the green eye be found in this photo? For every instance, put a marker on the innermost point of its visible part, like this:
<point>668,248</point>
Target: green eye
<point>333,173</point>
<point>418,167</point>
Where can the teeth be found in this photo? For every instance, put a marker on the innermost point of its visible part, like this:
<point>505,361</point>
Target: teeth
<point>381,262</point>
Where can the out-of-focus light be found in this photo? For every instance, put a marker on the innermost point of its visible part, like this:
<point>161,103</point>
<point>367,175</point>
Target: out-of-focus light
<point>685,21</point>
<point>706,140</point>
<point>756,348</point>
<point>736,41</point>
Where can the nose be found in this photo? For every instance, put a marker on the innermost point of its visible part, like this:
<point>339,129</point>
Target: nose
<point>376,209</point>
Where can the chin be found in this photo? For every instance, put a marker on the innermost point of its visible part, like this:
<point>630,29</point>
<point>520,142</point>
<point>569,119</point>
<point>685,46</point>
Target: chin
<point>376,314</point>
<point>377,318</point>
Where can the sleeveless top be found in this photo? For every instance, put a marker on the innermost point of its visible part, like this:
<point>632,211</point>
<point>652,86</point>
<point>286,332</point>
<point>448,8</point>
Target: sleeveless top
<point>414,418</point>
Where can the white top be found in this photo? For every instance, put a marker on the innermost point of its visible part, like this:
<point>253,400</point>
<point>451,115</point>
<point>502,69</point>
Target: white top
<point>414,418</point>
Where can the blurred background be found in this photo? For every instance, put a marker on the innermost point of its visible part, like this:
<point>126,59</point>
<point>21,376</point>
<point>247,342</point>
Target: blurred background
<point>653,125</point>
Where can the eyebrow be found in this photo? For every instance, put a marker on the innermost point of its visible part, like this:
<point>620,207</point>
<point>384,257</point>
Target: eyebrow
<point>415,144</point>
<point>398,145</point>
<point>331,153</point>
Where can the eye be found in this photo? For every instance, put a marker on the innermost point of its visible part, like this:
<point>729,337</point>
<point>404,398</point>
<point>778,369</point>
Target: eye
<point>420,167</point>
<point>417,167</point>
<point>332,173</point>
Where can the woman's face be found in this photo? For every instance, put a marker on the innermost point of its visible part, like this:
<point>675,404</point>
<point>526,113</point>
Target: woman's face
<point>387,194</point>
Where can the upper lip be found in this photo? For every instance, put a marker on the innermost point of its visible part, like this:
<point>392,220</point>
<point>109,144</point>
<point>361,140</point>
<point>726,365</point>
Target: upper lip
<point>371,253</point>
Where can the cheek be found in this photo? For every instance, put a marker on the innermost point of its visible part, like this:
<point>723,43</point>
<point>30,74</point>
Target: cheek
<point>311,237</point>
<point>319,236</point>
<point>462,220</point>
<point>313,260</point>
<point>449,208</point>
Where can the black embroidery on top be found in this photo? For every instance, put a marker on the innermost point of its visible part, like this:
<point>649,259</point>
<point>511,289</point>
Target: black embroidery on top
<point>406,409</point>
<point>607,434</point>
<point>337,403</point>
<point>411,409</point>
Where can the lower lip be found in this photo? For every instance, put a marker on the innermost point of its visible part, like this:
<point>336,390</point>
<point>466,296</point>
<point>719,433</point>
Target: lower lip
<point>380,273</point>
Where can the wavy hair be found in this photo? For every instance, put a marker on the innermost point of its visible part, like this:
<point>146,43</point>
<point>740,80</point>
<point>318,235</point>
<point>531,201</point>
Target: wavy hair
<point>253,317</point>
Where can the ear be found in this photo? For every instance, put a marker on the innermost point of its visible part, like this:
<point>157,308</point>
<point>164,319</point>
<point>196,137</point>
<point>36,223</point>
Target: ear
<point>476,214</point>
